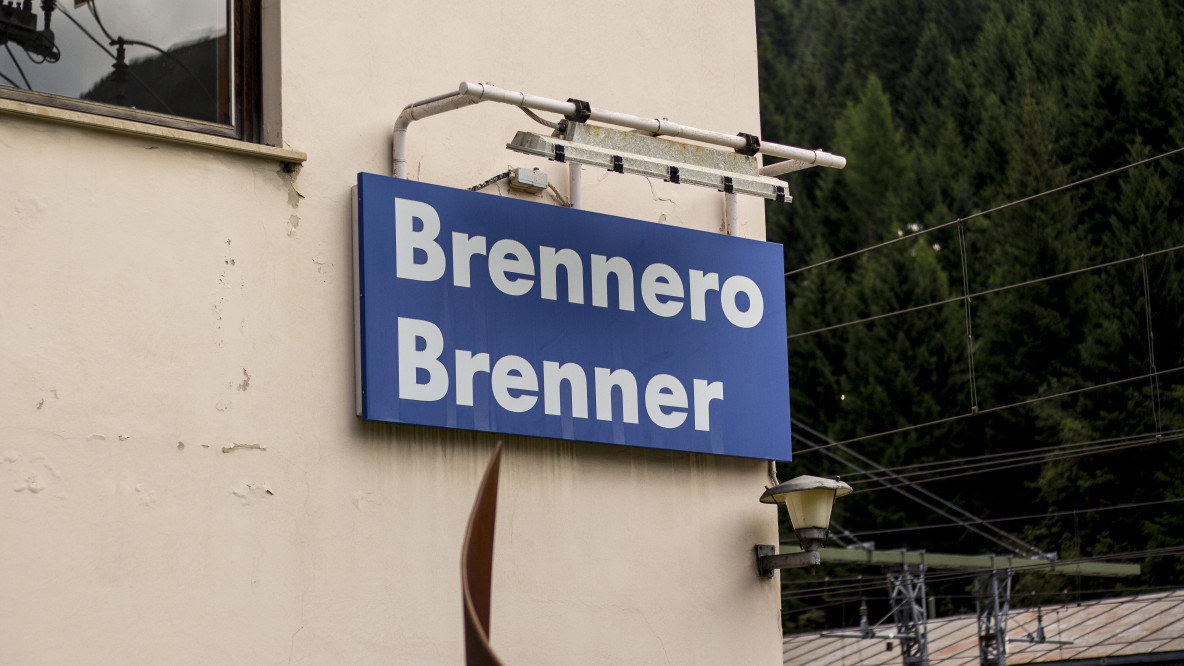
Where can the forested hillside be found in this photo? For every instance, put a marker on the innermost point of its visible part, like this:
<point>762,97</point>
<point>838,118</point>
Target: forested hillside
<point>946,109</point>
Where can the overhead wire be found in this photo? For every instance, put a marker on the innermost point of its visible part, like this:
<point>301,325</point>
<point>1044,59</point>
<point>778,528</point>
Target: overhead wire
<point>1047,514</point>
<point>111,55</point>
<point>970,521</point>
<point>967,519</point>
<point>1139,443</point>
<point>12,83</point>
<point>1000,454</point>
<point>1100,602</point>
<point>18,67</point>
<point>1150,345</point>
<point>958,417</point>
<point>1042,455</point>
<point>1021,461</point>
<point>986,292</point>
<point>94,11</point>
<point>996,209</point>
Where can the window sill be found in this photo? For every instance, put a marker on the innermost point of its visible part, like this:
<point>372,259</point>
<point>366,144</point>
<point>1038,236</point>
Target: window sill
<point>147,131</point>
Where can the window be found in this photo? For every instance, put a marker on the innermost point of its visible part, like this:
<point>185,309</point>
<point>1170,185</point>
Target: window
<point>190,65</point>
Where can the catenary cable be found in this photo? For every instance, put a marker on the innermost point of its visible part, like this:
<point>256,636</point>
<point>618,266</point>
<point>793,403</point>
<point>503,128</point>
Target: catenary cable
<point>1009,204</point>
<point>958,417</point>
<point>111,55</point>
<point>12,83</point>
<point>968,519</point>
<point>986,292</point>
<point>1150,441</point>
<point>1150,345</point>
<point>94,11</point>
<point>1068,451</point>
<point>1049,514</point>
<point>1001,454</point>
<point>18,67</point>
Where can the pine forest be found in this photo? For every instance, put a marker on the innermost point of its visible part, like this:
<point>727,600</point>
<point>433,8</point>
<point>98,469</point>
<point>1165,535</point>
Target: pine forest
<point>988,301</point>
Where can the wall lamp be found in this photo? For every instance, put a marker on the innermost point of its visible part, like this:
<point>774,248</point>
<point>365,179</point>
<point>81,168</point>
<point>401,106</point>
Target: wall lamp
<point>809,500</point>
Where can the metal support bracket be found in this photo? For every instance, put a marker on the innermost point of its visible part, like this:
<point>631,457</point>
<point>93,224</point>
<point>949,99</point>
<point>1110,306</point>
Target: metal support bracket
<point>752,144</point>
<point>618,164</point>
<point>583,110</point>
<point>673,177</point>
<point>560,153</point>
<point>767,562</point>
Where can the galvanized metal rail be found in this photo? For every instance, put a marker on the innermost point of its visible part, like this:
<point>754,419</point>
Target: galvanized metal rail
<point>971,562</point>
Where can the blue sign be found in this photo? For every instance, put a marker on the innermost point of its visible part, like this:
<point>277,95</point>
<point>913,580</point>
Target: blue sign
<point>490,313</point>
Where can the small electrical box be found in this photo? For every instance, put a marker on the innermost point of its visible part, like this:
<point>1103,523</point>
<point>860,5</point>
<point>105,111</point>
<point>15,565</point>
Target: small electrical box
<point>528,180</point>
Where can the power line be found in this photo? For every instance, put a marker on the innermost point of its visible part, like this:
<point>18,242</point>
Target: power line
<point>811,607</point>
<point>957,299</point>
<point>94,11</point>
<point>989,211</point>
<point>1051,514</point>
<point>1141,588</point>
<point>1149,441</point>
<point>12,83</point>
<point>1006,454</point>
<point>111,55</point>
<point>1012,543</point>
<point>1017,457</point>
<point>958,417</point>
<point>1007,463</point>
<point>18,67</point>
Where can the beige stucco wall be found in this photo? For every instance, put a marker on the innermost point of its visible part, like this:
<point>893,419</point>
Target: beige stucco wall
<point>182,477</point>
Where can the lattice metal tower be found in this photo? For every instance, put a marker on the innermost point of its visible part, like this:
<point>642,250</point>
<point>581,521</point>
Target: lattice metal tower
<point>906,585</point>
<point>992,599</point>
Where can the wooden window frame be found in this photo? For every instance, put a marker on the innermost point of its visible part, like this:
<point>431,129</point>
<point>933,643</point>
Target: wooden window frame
<point>245,18</point>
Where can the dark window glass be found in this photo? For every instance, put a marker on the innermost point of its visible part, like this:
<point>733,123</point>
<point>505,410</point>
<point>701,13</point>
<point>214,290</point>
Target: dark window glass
<point>186,60</point>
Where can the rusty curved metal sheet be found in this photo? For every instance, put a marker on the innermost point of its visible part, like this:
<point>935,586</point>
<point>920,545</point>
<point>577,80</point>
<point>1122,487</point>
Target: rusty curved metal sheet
<point>476,567</point>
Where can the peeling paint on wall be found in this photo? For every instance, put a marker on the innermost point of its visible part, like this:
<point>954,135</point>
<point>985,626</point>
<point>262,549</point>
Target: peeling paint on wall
<point>289,180</point>
<point>32,478</point>
<point>235,445</point>
<point>248,492</point>
<point>359,497</point>
<point>145,496</point>
<point>246,382</point>
<point>31,483</point>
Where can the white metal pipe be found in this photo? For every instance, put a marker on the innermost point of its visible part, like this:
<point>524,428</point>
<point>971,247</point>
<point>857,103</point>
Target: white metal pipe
<point>416,111</point>
<point>484,92</point>
<point>471,93</point>
<point>810,157</point>
<point>732,213</point>
<point>575,181</point>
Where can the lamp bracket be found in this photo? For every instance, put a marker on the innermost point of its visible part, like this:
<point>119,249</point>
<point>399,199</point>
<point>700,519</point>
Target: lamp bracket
<point>767,561</point>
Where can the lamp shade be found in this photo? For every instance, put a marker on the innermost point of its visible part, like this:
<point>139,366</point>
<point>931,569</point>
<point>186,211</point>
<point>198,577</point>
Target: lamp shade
<point>809,500</point>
